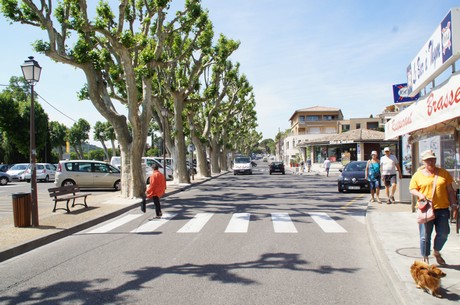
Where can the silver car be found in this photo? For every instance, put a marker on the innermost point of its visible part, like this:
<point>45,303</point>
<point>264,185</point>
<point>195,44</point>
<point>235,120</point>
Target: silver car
<point>88,174</point>
<point>45,172</point>
<point>16,172</point>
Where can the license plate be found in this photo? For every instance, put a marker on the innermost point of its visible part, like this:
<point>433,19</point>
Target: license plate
<point>354,187</point>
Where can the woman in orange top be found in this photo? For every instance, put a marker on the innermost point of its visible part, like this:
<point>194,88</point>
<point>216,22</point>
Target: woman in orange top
<point>156,189</point>
<point>421,185</point>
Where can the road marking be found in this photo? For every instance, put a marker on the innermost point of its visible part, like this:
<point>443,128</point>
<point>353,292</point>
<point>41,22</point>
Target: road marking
<point>282,223</point>
<point>238,223</point>
<point>326,223</point>
<point>154,224</point>
<point>352,201</point>
<point>114,224</point>
<point>197,223</point>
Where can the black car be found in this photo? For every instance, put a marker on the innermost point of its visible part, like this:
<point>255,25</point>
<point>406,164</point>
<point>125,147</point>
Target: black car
<point>352,177</point>
<point>277,167</point>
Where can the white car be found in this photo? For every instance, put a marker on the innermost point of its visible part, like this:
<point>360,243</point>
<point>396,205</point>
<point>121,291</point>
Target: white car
<point>147,162</point>
<point>45,172</point>
<point>16,172</point>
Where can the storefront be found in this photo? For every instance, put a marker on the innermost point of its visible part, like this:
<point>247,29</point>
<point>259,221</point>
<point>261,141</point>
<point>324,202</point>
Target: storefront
<point>354,145</point>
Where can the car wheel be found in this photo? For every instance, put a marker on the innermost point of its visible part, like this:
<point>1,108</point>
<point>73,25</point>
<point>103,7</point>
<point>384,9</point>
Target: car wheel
<point>148,180</point>
<point>340,190</point>
<point>3,180</point>
<point>28,180</point>
<point>47,179</point>
<point>283,173</point>
<point>117,185</point>
<point>270,173</point>
<point>68,182</point>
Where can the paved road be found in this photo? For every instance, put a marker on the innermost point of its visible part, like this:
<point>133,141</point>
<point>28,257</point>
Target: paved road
<point>255,239</point>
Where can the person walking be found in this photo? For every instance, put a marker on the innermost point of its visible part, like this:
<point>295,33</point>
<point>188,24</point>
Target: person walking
<point>327,166</point>
<point>372,174</point>
<point>434,184</point>
<point>156,189</point>
<point>388,166</point>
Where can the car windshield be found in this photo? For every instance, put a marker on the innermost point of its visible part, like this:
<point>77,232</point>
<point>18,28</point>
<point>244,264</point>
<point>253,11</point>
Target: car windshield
<point>19,167</point>
<point>356,167</point>
<point>277,163</point>
<point>243,160</point>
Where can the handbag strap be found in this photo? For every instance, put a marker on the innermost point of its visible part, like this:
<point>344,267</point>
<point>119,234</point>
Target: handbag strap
<point>434,184</point>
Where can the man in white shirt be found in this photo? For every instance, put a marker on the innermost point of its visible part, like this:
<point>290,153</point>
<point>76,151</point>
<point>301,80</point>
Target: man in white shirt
<point>388,166</point>
<point>327,166</point>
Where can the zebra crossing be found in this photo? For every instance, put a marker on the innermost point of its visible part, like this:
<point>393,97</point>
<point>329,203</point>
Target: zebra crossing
<point>238,223</point>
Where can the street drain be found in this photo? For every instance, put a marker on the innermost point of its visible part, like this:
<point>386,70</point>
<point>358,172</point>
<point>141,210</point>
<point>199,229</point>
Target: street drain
<point>409,252</point>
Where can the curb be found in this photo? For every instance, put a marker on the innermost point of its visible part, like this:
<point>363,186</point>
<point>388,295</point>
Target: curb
<point>383,263</point>
<point>28,246</point>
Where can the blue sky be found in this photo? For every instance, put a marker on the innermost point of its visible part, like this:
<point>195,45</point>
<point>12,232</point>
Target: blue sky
<point>295,53</point>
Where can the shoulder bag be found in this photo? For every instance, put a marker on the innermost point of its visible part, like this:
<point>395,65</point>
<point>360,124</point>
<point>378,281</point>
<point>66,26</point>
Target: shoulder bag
<point>425,211</point>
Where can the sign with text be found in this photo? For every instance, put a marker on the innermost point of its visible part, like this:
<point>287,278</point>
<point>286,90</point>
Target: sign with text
<point>438,53</point>
<point>442,104</point>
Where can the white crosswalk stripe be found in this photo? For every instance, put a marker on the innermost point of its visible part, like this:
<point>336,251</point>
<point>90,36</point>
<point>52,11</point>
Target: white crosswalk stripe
<point>326,223</point>
<point>239,223</point>
<point>153,224</point>
<point>115,224</point>
<point>196,223</point>
<point>282,223</point>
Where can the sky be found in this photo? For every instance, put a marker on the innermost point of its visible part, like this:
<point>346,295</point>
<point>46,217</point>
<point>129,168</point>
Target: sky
<point>295,53</point>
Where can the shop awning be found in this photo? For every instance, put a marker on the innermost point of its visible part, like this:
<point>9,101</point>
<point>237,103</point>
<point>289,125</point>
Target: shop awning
<point>352,136</point>
<point>440,105</point>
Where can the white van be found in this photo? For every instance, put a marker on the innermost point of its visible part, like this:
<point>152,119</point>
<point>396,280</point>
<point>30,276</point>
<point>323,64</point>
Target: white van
<point>147,162</point>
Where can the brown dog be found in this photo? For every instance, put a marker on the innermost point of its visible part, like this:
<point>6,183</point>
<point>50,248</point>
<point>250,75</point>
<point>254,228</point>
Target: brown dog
<point>427,277</point>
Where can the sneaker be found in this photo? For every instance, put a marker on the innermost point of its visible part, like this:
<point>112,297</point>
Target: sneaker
<point>372,200</point>
<point>378,200</point>
<point>392,199</point>
<point>388,201</point>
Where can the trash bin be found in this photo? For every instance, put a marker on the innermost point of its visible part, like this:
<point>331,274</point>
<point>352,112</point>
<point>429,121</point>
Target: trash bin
<point>22,210</point>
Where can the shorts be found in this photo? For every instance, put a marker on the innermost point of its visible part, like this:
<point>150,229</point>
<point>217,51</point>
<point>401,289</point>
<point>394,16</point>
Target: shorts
<point>374,184</point>
<point>389,179</point>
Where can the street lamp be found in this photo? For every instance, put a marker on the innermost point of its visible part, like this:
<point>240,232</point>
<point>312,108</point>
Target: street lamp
<point>164,114</point>
<point>31,71</point>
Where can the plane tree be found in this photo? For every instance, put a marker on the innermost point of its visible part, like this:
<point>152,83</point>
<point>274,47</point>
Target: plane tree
<point>119,50</point>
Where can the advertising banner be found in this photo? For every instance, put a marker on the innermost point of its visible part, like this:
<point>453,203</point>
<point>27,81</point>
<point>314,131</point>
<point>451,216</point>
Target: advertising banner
<point>442,104</point>
<point>438,53</point>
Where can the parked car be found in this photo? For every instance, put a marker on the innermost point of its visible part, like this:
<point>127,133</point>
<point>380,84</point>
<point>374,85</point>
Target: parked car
<point>4,178</point>
<point>5,167</point>
<point>352,177</point>
<point>16,172</point>
<point>88,174</point>
<point>242,165</point>
<point>149,161</point>
<point>45,172</point>
<point>277,167</point>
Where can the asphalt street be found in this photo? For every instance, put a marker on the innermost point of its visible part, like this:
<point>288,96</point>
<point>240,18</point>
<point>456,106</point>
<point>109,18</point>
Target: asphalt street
<point>246,239</point>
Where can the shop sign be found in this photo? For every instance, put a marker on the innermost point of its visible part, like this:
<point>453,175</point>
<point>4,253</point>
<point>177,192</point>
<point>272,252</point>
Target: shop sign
<point>438,53</point>
<point>400,94</point>
<point>442,104</point>
<point>341,141</point>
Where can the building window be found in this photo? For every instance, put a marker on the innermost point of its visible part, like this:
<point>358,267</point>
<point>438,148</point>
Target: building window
<point>302,119</point>
<point>372,125</point>
<point>312,118</point>
<point>328,117</point>
<point>358,125</point>
<point>345,127</point>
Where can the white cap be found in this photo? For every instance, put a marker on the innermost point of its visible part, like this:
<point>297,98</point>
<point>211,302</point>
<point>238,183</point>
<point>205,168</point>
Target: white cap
<point>386,149</point>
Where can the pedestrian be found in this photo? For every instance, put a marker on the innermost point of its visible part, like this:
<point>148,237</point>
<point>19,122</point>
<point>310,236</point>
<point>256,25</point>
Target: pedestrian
<point>434,184</point>
<point>302,167</point>
<point>308,165</point>
<point>156,189</point>
<point>372,174</point>
<point>388,166</point>
<point>327,166</point>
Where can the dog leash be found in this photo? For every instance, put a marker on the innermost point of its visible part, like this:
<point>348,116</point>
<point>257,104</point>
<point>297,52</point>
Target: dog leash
<point>426,215</point>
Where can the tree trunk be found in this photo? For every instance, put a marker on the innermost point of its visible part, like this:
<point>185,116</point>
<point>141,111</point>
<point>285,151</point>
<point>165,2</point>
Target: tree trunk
<point>215,169</point>
<point>179,140</point>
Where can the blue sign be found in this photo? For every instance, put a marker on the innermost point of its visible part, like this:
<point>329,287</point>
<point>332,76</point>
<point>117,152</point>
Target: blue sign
<point>401,94</point>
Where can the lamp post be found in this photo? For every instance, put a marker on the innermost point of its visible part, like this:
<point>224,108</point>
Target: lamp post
<point>164,114</point>
<point>31,71</point>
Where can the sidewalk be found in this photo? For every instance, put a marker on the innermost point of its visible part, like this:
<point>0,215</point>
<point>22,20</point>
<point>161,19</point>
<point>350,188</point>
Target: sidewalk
<point>392,230</point>
<point>394,236</point>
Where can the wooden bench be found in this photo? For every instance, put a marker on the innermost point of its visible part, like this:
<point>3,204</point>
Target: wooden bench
<point>67,193</point>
